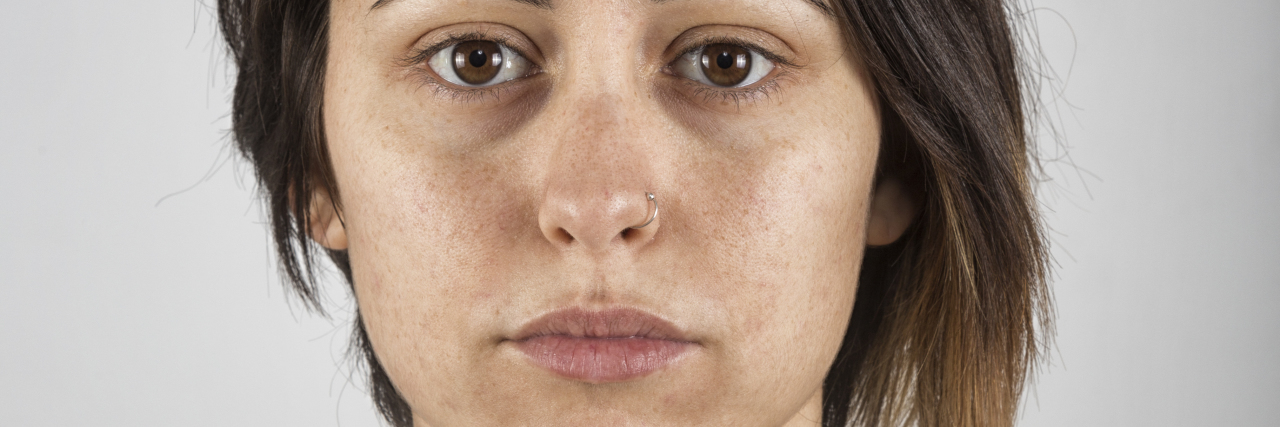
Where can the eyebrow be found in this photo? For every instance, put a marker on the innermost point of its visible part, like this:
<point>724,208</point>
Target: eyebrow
<point>546,4</point>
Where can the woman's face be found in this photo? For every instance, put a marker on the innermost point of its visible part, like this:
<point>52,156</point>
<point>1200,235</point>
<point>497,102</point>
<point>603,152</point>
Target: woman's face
<point>491,155</point>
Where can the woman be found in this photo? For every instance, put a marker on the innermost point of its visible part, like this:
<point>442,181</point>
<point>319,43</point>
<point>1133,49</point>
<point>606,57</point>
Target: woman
<point>625,212</point>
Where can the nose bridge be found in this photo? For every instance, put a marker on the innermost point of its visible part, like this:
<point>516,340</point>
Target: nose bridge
<point>598,112</point>
<point>597,150</point>
<point>597,124</point>
<point>598,101</point>
<point>602,52</point>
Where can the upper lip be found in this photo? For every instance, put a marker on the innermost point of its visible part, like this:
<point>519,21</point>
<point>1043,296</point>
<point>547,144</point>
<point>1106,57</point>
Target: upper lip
<point>609,323</point>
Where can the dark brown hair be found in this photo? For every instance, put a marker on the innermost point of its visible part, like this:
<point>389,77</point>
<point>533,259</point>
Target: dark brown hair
<point>948,321</point>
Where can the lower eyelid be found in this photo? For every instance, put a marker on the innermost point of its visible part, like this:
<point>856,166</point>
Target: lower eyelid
<point>766,88</point>
<point>464,94</point>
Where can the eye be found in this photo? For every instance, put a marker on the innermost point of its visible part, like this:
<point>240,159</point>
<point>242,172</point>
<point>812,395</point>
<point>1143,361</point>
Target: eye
<point>723,65</point>
<point>479,63</point>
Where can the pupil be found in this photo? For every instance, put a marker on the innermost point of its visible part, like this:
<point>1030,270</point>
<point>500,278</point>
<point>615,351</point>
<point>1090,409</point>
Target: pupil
<point>477,58</point>
<point>724,60</point>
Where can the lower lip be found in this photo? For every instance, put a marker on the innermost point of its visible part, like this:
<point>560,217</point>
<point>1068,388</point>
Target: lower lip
<point>600,360</point>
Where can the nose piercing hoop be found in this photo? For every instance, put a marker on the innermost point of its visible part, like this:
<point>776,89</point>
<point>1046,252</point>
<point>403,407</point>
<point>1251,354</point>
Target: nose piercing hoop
<point>653,215</point>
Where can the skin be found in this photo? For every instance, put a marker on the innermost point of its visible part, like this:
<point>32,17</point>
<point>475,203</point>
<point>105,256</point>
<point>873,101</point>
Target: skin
<point>468,213</point>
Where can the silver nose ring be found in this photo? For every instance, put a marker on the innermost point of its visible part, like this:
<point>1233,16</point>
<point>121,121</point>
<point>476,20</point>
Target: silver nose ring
<point>653,215</point>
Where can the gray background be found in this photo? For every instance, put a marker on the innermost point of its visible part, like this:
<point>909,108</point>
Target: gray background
<point>139,290</point>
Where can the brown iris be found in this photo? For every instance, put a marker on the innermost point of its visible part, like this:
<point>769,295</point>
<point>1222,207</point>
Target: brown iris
<point>477,61</point>
<point>725,64</point>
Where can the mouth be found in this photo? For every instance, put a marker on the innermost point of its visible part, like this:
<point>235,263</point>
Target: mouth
<point>602,346</point>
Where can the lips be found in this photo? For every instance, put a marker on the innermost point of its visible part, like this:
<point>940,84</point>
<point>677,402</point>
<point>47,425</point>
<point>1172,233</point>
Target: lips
<point>602,346</point>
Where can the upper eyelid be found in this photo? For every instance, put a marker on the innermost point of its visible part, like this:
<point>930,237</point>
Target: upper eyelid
<point>419,55</point>
<point>766,53</point>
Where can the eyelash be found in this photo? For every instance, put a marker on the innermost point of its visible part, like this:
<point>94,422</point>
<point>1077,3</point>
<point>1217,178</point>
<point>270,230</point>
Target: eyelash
<point>782,70</point>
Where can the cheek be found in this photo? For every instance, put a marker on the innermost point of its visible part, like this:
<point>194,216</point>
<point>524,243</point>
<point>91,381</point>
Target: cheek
<point>780,229</point>
<point>427,246</point>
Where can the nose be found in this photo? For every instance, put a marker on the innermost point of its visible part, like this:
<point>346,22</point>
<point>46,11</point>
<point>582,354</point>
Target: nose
<point>599,175</point>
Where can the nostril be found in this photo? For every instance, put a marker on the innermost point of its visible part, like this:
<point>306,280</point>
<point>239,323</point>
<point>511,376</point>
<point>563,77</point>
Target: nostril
<point>564,235</point>
<point>597,220</point>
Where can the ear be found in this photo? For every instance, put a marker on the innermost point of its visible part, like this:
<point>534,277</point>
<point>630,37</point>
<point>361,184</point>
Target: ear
<point>893,208</point>
<point>325,222</point>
